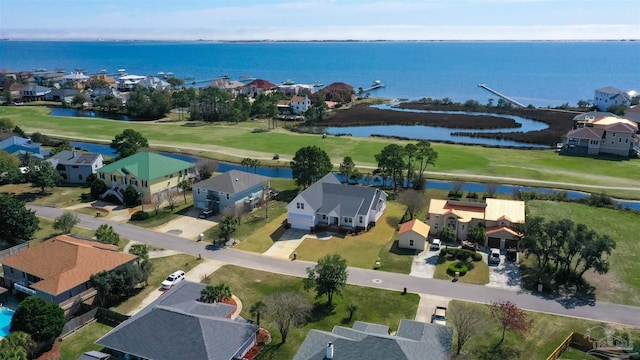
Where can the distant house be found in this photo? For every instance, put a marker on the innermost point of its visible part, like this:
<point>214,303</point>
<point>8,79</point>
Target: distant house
<point>413,235</point>
<point>65,95</point>
<point>633,114</point>
<point>608,96</point>
<point>152,82</point>
<point>149,173</point>
<point>58,270</point>
<point>230,190</point>
<point>413,341</point>
<point>602,135</point>
<point>231,86</point>
<point>74,166</point>
<point>127,82</point>
<point>300,104</point>
<point>329,203</point>
<point>257,87</point>
<point>295,89</point>
<point>103,77</point>
<point>18,146</point>
<point>34,92</point>
<point>178,326</point>
<point>338,92</point>
<point>497,216</point>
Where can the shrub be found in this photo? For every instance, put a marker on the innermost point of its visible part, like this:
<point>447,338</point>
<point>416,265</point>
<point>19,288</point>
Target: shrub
<point>459,267</point>
<point>140,215</point>
<point>477,257</point>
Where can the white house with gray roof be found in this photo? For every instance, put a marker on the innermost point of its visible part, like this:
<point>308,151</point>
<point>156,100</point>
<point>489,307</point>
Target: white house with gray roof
<point>330,203</point>
<point>75,166</point>
<point>413,341</point>
<point>231,190</point>
<point>608,96</point>
<point>178,326</point>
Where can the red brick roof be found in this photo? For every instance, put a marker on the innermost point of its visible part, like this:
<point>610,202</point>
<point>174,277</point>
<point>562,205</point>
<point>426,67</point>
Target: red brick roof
<point>261,84</point>
<point>338,86</point>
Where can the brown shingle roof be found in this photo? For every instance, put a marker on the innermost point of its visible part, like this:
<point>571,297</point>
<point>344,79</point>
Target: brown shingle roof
<point>261,84</point>
<point>338,86</point>
<point>586,133</point>
<point>64,262</point>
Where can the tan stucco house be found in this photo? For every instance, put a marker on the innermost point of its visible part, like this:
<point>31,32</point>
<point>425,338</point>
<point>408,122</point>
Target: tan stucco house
<point>413,235</point>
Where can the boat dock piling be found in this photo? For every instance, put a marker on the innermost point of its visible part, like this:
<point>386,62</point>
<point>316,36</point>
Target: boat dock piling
<point>484,86</point>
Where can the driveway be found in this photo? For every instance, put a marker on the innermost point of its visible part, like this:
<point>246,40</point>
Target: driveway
<point>505,276</point>
<point>427,306</point>
<point>187,226</point>
<point>424,264</point>
<point>289,242</point>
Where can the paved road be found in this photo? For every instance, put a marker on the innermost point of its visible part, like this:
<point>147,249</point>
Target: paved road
<point>601,311</point>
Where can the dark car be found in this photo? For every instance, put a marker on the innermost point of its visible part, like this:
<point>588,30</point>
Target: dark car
<point>205,213</point>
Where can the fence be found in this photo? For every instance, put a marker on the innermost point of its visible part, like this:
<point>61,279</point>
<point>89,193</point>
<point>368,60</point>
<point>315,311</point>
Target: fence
<point>14,250</point>
<point>103,315</point>
<point>573,338</point>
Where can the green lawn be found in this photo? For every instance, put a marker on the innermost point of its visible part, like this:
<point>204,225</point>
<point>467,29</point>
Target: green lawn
<point>546,334</point>
<point>165,214</point>
<point>359,250</point>
<point>59,196</point>
<point>47,231</point>
<point>162,267</point>
<point>83,340</point>
<point>622,283</point>
<point>479,275</point>
<point>575,354</point>
<point>237,139</point>
<point>376,306</point>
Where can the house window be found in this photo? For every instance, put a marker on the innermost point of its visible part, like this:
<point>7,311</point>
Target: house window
<point>79,177</point>
<point>74,166</point>
<point>410,242</point>
<point>614,135</point>
<point>227,196</point>
<point>437,216</point>
<point>360,218</point>
<point>300,206</point>
<point>435,226</point>
<point>619,140</point>
<point>324,217</point>
<point>12,270</point>
<point>198,191</point>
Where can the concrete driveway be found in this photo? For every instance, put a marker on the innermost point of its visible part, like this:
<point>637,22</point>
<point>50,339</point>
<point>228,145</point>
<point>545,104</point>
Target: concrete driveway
<point>505,276</point>
<point>187,226</point>
<point>427,306</point>
<point>289,242</point>
<point>424,264</point>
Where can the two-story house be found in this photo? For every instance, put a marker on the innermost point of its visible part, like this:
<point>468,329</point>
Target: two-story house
<point>231,190</point>
<point>606,135</point>
<point>608,96</point>
<point>149,173</point>
<point>300,104</point>
<point>257,87</point>
<point>18,146</point>
<point>74,166</point>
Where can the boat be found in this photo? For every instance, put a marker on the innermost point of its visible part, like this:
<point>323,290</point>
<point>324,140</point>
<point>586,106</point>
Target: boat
<point>288,82</point>
<point>224,76</point>
<point>318,84</point>
<point>122,72</point>
<point>246,78</point>
<point>161,74</point>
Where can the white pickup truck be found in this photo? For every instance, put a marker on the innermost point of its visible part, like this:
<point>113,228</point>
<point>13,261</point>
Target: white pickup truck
<point>439,316</point>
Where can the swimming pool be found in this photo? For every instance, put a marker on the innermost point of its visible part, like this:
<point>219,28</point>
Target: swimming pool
<point>5,320</point>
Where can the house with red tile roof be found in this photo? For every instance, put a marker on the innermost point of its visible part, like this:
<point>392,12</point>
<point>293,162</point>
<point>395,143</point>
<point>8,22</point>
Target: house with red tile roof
<point>257,87</point>
<point>58,269</point>
<point>339,92</point>
<point>602,134</point>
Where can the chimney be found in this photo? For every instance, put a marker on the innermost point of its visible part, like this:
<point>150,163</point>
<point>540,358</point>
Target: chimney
<point>75,153</point>
<point>329,355</point>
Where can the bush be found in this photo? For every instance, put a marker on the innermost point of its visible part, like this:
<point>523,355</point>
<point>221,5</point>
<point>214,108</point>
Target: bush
<point>460,267</point>
<point>140,215</point>
<point>477,257</point>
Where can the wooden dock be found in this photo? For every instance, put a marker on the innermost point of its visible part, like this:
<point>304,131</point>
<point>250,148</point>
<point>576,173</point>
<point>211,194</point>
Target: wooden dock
<point>505,97</point>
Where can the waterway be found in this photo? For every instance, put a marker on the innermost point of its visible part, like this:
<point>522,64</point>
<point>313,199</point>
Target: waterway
<point>285,172</point>
<point>69,112</point>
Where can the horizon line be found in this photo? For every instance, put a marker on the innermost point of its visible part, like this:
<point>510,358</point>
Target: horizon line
<point>313,40</point>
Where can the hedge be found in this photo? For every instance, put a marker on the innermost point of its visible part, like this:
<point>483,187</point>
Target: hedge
<point>140,215</point>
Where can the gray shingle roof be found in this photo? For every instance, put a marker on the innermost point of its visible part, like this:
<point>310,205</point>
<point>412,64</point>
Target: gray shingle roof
<point>232,182</point>
<point>176,326</point>
<point>371,328</point>
<point>414,341</point>
<point>67,157</point>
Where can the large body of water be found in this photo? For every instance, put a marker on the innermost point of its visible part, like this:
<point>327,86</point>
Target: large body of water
<point>538,73</point>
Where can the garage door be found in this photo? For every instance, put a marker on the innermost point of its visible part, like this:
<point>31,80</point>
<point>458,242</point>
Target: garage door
<point>511,244</point>
<point>300,223</point>
<point>494,242</point>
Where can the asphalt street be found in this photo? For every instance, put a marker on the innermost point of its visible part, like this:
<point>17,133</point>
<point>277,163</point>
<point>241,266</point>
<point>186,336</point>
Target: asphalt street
<point>595,310</point>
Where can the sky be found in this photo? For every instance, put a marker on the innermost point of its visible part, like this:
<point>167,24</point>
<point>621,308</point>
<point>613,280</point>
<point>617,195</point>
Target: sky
<point>245,20</point>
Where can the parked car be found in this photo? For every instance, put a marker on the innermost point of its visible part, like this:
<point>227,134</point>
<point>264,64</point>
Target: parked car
<point>173,279</point>
<point>468,245</point>
<point>435,244</point>
<point>439,316</point>
<point>205,213</point>
<point>494,256</point>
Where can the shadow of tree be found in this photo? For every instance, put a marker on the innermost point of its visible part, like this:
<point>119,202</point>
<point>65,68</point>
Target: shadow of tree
<point>504,352</point>
<point>320,311</point>
<point>270,351</point>
<point>287,195</point>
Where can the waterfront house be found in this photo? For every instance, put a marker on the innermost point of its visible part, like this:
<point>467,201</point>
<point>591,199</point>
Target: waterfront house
<point>127,82</point>
<point>149,173</point>
<point>338,92</point>
<point>300,104</point>
<point>230,191</point>
<point>633,114</point>
<point>602,135</point>
<point>497,216</point>
<point>152,82</point>
<point>608,96</point>
<point>62,95</point>
<point>413,234</point>
<point>103,77</point>
<point>330,204</point>
<point>18,146</point>
<point>257,87</point>
<point>295,89</point>
<point>34,92</point>
<point>234,88</point>
<point>74,166</point>
<point>414,340</point>
<point>178,325</point>
<point>58,269</point>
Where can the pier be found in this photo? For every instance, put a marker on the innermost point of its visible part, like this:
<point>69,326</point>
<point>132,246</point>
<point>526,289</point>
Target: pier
<point>376,85</point>
<point>505,97</point>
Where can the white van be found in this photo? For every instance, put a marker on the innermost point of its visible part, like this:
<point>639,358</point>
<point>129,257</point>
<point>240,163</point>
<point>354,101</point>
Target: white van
<point>494,256</point>
<point>173,279</point>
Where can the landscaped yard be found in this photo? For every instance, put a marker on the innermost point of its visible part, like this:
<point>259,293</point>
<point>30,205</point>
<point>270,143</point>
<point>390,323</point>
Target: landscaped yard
<point>47,231</point>
<point>238,141</point>
<point>162,267</point>
<point>165,214</point>
<point>622,283</point>
<point>376,306</point>
<point>359,250</point>
<point>82,341</point>
<point>59,196</point>
<point>478,275</point>
<point>547,332</point>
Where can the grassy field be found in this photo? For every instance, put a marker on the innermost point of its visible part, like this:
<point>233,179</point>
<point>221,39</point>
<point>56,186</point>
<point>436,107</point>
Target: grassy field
<point>161,268</point>
<point>479,275</point>
<point>47,231</point>
<point>376,306</point>
<point>165,214</point>
<point>82,341</point>
<point>359,250</point>
<point>622,283</point>
<point>237,140</point>
<point>59,196</point>
<point>547,332</point>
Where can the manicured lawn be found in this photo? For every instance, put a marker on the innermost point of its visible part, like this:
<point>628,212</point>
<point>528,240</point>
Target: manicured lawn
<point>161,268</point>
<point>47,231</point>
<point>165,214</point>
<point>265,232</point>
<point>575,354</point>
<point>238,140</point>
<point>395,259</point>
<point>82,341</point>
<point>622,283</point>
<point>479,274</point>
<point>376,306</point>
<point>547,332</point>
<point>59,196</point>
<point>359,250</point>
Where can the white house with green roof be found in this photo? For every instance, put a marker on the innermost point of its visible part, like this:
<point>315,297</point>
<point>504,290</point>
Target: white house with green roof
<point>149,173</point>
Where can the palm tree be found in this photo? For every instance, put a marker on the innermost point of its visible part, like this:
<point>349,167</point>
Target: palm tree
<point>256,309</point>
<point>214,294</point>
<point>352,308</point>
<point>246,162</point>
<point>184,185</point>
<point>19,341</point>
<point>227,226</point>
<point>254,164</point>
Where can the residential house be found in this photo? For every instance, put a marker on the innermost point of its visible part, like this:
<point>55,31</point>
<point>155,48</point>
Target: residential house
<point>633,114</point>
<point>230,191</point>
<point>586,119</point>
<point>18,146</point>
<point>329,203</point>
<point>75,80</point>
<point>300,104</point>
<point>104,77</point>
<point>62,95</point>
<point>338,92</point>
<point>295,89</point>
<point>152,82</point>
<point>34,92</point>
<point>608,96</point>
<point>257,87</point>
<point>497,216</point>
<point>610,135</point>
<point>231,86</point>
<point>149,173</point>
<point>413,235</point>
<point>48,78</point>
<point>127,82</point>
<point>74,166</point>
<point>414,340</point>
<point>178,326</point>
<point>58,269</point>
